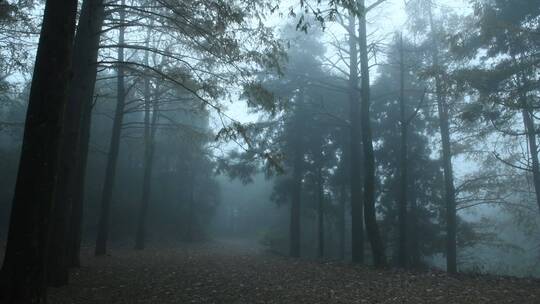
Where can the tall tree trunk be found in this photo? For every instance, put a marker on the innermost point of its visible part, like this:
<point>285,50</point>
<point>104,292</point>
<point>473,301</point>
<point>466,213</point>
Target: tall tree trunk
<point>413,229</point>
<point>296,196</point>
<point>357,211</point>
<point>110,173</point>
<point>191,221</point>
<point>90,24</point>
<point>149,131</point>
<point>341,221</point>
<point>296,189</point>
<point>24,268</point>
<point>403,256</point>
<point>451,250</point>
<point>449,190</point>
<point>77,208</point>
<point>85,53</point>
<point>533,150</point>
<point>320,213</point>
<point>372,227</point>
<point>530,130</point>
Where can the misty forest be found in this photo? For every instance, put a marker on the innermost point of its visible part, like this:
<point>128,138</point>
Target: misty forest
<point>267,151</point>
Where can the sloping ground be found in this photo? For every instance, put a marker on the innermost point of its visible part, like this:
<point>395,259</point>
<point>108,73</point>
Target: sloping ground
<point>227,273</point>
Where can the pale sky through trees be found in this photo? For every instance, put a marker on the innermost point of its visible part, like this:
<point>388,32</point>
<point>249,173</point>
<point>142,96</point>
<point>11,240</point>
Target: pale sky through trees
<point>267,151</point>
<point>383,22</point>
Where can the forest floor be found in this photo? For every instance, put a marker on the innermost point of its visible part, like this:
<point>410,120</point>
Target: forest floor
<point>225,272</point>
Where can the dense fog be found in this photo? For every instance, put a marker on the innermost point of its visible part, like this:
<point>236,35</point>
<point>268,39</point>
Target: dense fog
<point>396,140</point>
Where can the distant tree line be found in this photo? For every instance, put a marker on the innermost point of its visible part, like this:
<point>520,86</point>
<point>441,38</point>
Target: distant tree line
<point>363,142</point>
<point>171,64</point>
<point>451,88</point>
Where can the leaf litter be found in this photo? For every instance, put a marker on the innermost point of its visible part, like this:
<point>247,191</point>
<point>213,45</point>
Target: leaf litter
<point>220,272</point>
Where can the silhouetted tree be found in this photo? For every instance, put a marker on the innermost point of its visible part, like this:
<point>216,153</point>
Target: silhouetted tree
<point>372,228</point>
<point>114,146</point>
<point>65,242</point>
<point>24,269</point>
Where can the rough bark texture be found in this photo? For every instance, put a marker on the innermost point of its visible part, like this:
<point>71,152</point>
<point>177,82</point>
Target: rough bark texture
<point>85,52</point>
<point>372,227</point>
<point>357,211</point>
<point>114,147</point>
<point>24,269</point>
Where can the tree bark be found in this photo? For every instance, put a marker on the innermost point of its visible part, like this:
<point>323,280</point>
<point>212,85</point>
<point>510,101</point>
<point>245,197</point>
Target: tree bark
<point>451,252</point>
<point>191,207</point>
<point>372,227</point>
<point>413,229</point>
<point>149,132</point>
<point>76,218</point>
<point>81,90</point>
<point>533,147</point>
<point>296,188</point>
<point>320,213</point>
<point>24,269</point>
<point>357,208</point>
<point>341,221</point>
<point>403,256</point>
<point>295,207</point>
<point>530,130</point>
<point>449,190</point>
<point>110,172</point>
<point>97,14</point>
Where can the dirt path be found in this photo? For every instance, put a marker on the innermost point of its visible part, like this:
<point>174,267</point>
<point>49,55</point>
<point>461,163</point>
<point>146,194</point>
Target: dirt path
<point>230,273</point>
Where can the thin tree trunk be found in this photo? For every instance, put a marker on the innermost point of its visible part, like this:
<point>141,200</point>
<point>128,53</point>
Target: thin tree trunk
<point>296,189</point>
<point>296,194</point>
<point>451,252</point>
<point>357,211</point>
<point>24,269</point>
<point>449,190</point>
<point>413,229</point>
<point>110,173</point>
<point>341,221</point>
<point>403,256</point>
<point>147,179</point>
<point>530,130</point>
<point>191,207</point>
<point>149,131</point>
<point>372,227</point>
<point>81,90</point>
<point>320,215</point>
<point>533,150</point>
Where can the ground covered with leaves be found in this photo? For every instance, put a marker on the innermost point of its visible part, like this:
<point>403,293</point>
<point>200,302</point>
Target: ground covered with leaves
<point>223,272</point>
